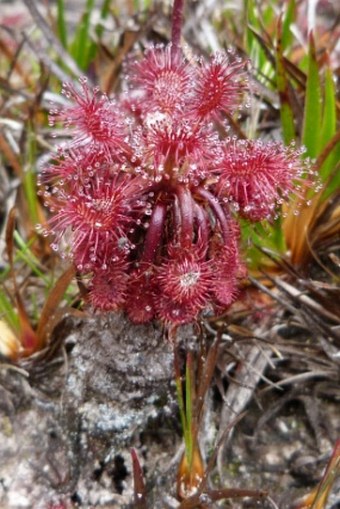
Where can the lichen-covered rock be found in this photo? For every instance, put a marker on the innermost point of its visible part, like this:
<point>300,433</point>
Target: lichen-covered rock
<point>118,379</point>
<point>72,445</point>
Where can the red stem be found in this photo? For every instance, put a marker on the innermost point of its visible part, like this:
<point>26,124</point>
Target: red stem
<point>218,211</point>
<point>186,209</point>
<point>154,233</point>
<point>200,217</point>
<point>177,14</point>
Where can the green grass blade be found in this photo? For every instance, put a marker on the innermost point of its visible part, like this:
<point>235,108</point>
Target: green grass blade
<point>288,20</point>
<point>181,406</point>
<point>180,398</point>
<point>29,178</point>
<point>329,477</point>
<point>142,5</point>
<point>253,48</point>
<point>311,132</point>
<point>99,31</point>
<point>8,313</point>
<point>30,189</point>
<point>329,111</point>
<point>270,236</point>
<point>61,23</point>
<point>188,407</point>
<point>328,127</point>
<point>25,254</point>
<point>82,39</point>
<point>248,36</point>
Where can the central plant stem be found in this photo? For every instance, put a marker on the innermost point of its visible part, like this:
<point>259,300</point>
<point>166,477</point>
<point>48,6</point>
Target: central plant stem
<point>186,211</point>
<point>154,233</point>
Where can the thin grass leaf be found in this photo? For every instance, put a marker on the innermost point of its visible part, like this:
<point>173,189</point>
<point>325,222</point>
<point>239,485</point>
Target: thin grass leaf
<point>191,467</point>
<point>288,20</point>
<point>328,127</point>
<point>317,499</point>
<point>61,23</point>
<point>260,22</point>
<point>28,337</point>
<point>311,133</point>
<point>30,190</point>
<point>297,228</point>
<point>328,226</point>
<point>46,321</point>
<point>193,501</point>
<point>25,254</point>
<point>248,36</point>
<point>295,73</point>
<point>331,150</point>
<point>264,45</point>
<point>268,236</point>
<point>189,397</point>
<point>332,471</point>
<point>8,313</point>
<point>146,5</point>
<point>180,397</point>
<point>29,180</point>
<point>310,227</point>
<point>93,47</point>
<point>81,42</point>
<point>251,45</point>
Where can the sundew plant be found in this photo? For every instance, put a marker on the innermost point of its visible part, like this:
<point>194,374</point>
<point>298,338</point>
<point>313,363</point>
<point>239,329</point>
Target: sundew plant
<point>147,194</point>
